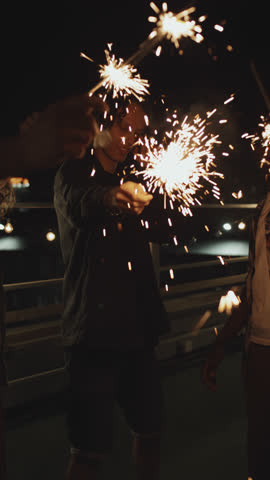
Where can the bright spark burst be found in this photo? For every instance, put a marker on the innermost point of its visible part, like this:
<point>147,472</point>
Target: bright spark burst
<point>122,78</point>
<point>221,260</point>
<point>177,166</point>
<point>263,138</point>
<point>227,302</point>
<point>238,195</point>
<point>174,27</point>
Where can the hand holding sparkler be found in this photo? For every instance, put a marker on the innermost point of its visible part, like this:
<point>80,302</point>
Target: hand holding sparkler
<point>211,364</point>
<point>129,197</point>
<point>232,327</point>
<point>65,129</point>
<point>228,302</point>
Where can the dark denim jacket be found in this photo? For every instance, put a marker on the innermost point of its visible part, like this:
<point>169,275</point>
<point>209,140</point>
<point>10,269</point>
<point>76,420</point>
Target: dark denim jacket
<point>111,297</point>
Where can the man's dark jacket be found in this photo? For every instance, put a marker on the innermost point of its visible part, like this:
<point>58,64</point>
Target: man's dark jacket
<point>111,297</point>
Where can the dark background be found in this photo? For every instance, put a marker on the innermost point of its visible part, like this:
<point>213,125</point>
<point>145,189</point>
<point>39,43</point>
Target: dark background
<point>40,62</point>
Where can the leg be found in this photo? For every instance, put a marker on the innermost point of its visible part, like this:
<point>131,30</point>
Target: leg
<point>3,470</point>
<point>258,401</point>
<point>83,467</point>
<point>89,415</point>
<point>140,396</point>
<point>146,456</point>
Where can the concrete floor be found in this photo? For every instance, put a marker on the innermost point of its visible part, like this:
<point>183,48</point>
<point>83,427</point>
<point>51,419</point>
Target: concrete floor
<point>204,436</point>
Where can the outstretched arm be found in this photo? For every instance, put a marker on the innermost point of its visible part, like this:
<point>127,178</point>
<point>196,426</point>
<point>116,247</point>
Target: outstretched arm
<point>63,130</point>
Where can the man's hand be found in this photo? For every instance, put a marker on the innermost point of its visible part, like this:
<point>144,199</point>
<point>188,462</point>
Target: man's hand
<point>129,197</point>
<point>210,366</point>
<point>63,130</point>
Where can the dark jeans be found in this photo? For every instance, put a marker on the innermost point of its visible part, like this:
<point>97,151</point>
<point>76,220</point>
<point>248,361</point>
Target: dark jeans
<point>98,380</point>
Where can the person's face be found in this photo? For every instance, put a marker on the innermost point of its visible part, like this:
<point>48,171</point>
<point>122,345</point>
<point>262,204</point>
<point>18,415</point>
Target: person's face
<point>125,131</point>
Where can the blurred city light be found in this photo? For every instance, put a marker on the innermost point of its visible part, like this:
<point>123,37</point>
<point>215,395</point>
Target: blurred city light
<point>241,225</point>
<point>227,227</point>
<point>8,227</point>
<point>50,236</point>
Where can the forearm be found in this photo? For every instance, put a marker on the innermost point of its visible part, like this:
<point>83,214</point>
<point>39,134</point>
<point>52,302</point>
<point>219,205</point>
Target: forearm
<point>79,207</point>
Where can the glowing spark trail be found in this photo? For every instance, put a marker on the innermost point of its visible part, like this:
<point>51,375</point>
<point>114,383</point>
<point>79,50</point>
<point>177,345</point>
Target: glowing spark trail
<point>263,138</point>
<point>227,302</point>
<point>177,166</point>
<point>174,27</point>
<point>121,78</point>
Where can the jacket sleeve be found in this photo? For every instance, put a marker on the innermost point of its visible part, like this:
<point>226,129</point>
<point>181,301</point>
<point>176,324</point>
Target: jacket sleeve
<point>78,197</point>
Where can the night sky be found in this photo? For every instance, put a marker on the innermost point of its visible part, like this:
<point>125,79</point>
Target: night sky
<point>40,63</point>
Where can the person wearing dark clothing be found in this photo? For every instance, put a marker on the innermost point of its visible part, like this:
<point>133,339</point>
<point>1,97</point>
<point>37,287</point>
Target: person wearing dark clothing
<point>113,314</point>
<point>253,315</point>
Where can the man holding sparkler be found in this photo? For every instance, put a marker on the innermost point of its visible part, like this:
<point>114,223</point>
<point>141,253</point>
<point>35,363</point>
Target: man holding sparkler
<point>253,311</point>
<point>113,314</point>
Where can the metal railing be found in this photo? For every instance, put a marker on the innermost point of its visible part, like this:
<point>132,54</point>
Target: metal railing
<point>246,206</point>
<point>189,288</point>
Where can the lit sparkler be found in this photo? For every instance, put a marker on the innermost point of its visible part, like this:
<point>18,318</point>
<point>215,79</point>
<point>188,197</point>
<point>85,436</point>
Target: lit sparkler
<point>238,195</point>
<point>174,27</point>
<point>178,166</point>
<point>228,301</point>
<point>120,77</point>
<point>263,138</point>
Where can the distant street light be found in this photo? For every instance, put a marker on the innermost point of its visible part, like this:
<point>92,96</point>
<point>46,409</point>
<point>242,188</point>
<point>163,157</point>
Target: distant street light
<point>227,227</point>
<point>8,227</point>
<point>241,225</point>
<point>50,236</point>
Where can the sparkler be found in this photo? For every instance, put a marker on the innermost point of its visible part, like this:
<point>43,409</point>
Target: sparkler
<point>121,76</point>
<point>238,195</point>
<point>263,138</point>
<point>174,27</point>
<point>177,166</point>
<point>227,302</point>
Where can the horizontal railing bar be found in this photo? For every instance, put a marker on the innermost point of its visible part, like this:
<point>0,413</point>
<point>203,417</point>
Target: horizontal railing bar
<point>208,263</point>
<point>35,283</point>
<point>59,370</point>
<point>33,205</point>
<point>55,281</point>
<point>36,375</point>
<point>248,206</point>
<point>197,286</point>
